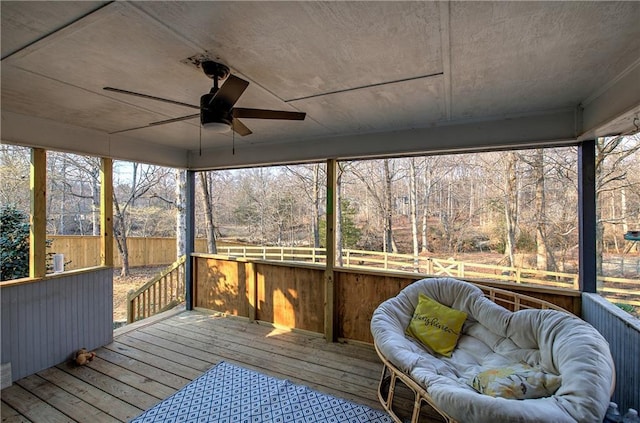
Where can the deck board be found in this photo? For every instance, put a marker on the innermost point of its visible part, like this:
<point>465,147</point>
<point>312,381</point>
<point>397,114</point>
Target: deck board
<point>10,415</point>
<point>75,408</point>
<point>30,406</point>
<point>147,364</point>
<point>89,393</point>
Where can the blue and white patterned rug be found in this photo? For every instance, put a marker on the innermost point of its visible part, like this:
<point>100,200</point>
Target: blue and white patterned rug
<point>232,394</point>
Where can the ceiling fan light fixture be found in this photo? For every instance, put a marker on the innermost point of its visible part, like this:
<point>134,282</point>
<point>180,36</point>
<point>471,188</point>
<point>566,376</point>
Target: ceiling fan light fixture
<point>219,127</point>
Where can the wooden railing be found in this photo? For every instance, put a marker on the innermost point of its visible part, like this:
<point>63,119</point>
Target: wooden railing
<point>620,290</point>
<point>294,295</point>
<point>159,294</point>
<point>617,290</point>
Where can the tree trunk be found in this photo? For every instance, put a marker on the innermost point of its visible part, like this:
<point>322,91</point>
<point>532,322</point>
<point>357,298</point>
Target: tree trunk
<point>208,211</point>
<point>338,225</point>
<point>315,224</point>
<point>120,234</point>
<point>390,245</point>
<point>413,210</point>
<point>426,180</point>
<point>511,206</point>
<point>64,196</point>
<point>181,212</point>
<point>600,156</point>
<point>544,256</point>
<point>95,206</point>
<point>624,210</point>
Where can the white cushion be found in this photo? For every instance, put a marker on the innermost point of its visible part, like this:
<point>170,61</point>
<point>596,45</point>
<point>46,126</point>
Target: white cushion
<point>492,336</point>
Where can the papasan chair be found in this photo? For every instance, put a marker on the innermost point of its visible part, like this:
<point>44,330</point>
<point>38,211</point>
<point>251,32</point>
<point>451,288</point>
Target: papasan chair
<point>532,364</point>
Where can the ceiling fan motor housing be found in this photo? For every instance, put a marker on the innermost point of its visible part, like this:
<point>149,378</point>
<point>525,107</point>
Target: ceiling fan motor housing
<point>210,114</point>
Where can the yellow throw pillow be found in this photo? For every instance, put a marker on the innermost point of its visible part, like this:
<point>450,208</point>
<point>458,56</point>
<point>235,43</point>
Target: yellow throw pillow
<point>436,326</point>
<point>519,381</point>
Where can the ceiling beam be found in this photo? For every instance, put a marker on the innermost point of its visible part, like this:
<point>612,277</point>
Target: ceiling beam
<point>445,51</point>
<point>31,131</point>
<point>611,110</point>
<point>515,132</point>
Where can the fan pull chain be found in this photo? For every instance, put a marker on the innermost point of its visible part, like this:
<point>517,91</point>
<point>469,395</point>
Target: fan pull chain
<point>200,126</point>
<point>233,138</point>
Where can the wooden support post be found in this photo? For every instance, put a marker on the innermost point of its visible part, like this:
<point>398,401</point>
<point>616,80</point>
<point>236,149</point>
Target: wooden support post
<point>190,240</point>
<point>587,216</point>
<point>106,212</point>
<point>252,289</point>
<point>38,216</point>
<point>329,295</point>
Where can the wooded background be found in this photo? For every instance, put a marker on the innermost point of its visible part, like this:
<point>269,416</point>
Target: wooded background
<point>503,207</point>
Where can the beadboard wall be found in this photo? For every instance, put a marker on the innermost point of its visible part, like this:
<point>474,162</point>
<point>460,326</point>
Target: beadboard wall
<point>623,333</point>
<point>44,322</point>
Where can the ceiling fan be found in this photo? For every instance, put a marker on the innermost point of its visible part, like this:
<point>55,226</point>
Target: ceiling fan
<point>216,107</point>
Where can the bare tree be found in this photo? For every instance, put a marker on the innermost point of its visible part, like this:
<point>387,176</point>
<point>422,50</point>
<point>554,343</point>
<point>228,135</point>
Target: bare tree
<point>377,177</point>
<point>207,186</point>
<point>143,179</point>
<point>310,177</point>
<point>413,209</point>
<point>613,160</point>
<point>181,212</point>
<point>544,255</point>
<point>511,205</point>
<point>14,174</point>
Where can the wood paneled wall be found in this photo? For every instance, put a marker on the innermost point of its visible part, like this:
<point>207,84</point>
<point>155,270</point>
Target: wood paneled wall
<point>292,295</point>
<point>45,321</point>
<point>358,295</point>
<point>622,331</point>
<point>222,285</point>
<point>279,293</point>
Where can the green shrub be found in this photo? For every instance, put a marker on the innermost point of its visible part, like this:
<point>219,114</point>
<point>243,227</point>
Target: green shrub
<point>626,307</point>
<point>14,243</point>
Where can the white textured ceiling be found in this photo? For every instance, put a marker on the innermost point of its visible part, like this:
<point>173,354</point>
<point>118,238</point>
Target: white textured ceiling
<point>374,78</point>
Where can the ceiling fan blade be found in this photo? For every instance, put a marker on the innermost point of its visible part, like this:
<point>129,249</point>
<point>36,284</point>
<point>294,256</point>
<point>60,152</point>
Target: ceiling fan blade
<point>128,129</point>
<point>240,112</point>
<point>150,97</point>
<point>229,93</point>
<point>178,119</point>
<point>239,128</point>
<point>160,122</point>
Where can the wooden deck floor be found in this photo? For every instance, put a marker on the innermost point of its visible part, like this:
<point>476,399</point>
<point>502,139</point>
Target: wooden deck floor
<point>147,364</point>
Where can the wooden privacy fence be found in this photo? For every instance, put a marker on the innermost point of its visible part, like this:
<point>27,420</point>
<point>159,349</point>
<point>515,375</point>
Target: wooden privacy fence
<point>84,251</point>
<point>159,294</point>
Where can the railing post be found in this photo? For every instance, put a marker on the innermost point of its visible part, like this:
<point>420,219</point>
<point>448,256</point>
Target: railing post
<point>348,258</point>
<point>281,253</point>
<point>190,239</point>
<point>518,275</point>
<point>386,260</point>
<point>429,266</point>
<point>130,307</point>
<point>330,242</point>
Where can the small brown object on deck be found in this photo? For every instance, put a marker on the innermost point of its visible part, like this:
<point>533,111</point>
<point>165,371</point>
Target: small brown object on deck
<point>83,356</point>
